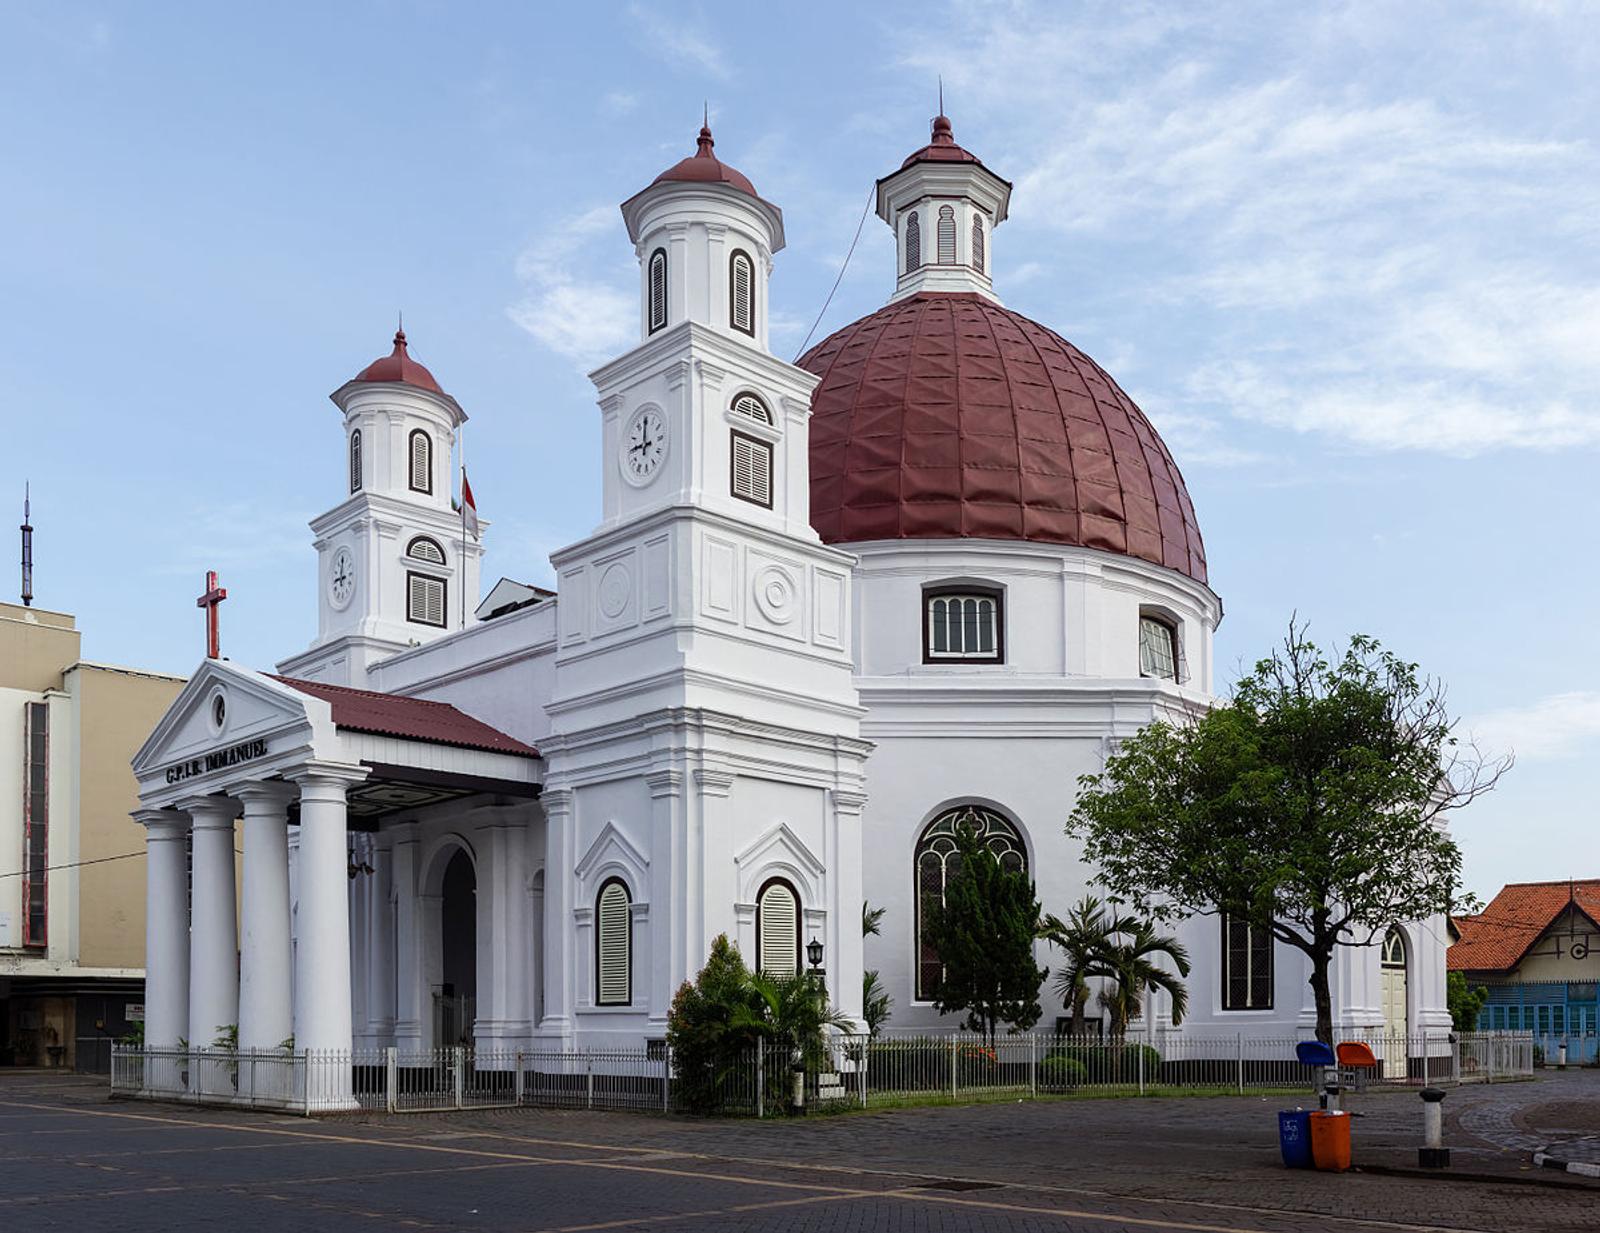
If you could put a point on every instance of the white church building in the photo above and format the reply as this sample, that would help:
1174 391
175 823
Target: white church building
830 610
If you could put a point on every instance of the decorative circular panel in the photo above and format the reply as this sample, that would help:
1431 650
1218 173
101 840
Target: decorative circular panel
615 588
775 594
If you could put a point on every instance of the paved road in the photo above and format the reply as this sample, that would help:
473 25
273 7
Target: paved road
73 1160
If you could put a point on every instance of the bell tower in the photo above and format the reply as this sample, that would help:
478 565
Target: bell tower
393 567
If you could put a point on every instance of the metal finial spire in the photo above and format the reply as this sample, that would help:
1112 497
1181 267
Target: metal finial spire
27 545
941 94
705 113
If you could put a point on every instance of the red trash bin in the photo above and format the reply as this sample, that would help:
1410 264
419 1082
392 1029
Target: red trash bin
1330 1141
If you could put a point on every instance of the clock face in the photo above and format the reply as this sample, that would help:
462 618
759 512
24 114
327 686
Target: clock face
644 447
341 578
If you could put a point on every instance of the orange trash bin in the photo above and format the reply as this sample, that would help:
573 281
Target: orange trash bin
1330 1141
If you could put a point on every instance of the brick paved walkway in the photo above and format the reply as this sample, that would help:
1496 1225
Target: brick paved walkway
75 1160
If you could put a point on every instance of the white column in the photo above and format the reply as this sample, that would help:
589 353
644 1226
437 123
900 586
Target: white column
558 957
666 866
213 922
265 1019
166 928
845 956
322 956
381 948
411 993
504 932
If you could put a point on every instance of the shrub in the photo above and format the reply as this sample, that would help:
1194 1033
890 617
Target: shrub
1058 1071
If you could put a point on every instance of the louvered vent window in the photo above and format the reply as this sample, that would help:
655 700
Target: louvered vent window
742 291
977 243
947 235
752 407
752 470
913 243
613 946
424 549
421 461
35 823
355 461
778 929
1246 965
425 600
1158 649
658 289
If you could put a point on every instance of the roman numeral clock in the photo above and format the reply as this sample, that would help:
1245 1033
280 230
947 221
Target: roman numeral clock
644 446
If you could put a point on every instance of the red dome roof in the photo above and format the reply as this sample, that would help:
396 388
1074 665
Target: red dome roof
942 148
399 366
946 416
704 167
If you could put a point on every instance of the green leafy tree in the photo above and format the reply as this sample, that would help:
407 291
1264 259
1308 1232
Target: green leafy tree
1084 938
984 934
711 1026
1465 1002
875 1000
1131 966
792 1012
1310 801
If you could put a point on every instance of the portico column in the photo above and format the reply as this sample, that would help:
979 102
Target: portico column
213 923
381 947
558 957
322 956
265 1021
166 928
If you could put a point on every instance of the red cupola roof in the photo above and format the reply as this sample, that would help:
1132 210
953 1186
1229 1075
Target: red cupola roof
946 416
942 148
704 167
398 366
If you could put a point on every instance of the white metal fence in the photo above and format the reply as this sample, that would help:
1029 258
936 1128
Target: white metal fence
853 1070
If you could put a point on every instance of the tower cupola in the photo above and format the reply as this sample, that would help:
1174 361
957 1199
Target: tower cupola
943 205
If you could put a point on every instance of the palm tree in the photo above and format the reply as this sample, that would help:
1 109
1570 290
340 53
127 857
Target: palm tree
1085 938
792 1012
1129 965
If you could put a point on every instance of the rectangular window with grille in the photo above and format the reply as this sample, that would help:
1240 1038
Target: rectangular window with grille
425 600
1246 965
963 626
35 823
752 470
1158 649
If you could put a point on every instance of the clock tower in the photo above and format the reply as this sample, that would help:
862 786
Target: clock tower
393 567
704 746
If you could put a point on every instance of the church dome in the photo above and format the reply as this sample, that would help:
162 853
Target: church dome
945 415
398 366
704 167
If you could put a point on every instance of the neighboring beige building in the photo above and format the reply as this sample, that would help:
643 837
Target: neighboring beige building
71 860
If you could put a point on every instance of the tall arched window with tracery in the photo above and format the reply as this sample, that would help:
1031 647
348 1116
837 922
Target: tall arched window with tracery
977 243
947 235
913 242
938 860
658 289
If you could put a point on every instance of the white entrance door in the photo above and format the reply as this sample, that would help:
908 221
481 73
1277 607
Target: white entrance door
1394 1005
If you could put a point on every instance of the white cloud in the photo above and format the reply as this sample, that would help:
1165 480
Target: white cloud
678 40
577 303
1563 725
618 102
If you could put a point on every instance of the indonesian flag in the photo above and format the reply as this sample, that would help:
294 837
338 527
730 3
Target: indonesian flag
469 507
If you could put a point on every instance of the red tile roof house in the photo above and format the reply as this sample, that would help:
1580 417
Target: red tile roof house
1536 948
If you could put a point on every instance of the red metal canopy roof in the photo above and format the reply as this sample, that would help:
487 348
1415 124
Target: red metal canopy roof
704 167
415 719
400 367
941 148
1497 939
945 416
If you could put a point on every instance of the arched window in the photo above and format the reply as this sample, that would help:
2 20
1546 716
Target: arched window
913 243
613 947
355 461
1394 949
742 293
424 549
658 289
947 235
977 243
751 406
963 623
750 458
777 929
1158 648
1246 964
937 861
421 457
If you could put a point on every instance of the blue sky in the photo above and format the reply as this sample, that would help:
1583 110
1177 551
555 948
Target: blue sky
1347 259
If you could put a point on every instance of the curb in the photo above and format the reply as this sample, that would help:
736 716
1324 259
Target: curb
1548 1158
1472 1177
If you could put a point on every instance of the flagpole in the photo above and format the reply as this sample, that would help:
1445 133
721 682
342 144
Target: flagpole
461 583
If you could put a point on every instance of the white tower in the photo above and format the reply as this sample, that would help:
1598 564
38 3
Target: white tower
705 747
393 568
943 206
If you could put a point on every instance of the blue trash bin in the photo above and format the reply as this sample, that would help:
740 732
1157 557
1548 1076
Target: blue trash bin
1294 1137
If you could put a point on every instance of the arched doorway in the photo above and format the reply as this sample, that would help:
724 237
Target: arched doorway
455 1005
1393 967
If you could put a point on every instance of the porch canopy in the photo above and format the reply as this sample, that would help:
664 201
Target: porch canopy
281 751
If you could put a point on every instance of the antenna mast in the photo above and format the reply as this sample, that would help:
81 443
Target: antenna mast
27 547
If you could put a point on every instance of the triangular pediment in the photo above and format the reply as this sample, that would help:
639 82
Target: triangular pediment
778 850
612 849
227 716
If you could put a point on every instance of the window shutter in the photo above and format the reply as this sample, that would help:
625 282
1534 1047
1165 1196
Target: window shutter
425 600
421 462
1157 649
977 243
947 235
778 931
615 960
424 549
752 470
658 290
355 461
913 243
743 294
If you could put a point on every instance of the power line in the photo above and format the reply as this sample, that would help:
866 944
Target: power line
862 222
99 860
